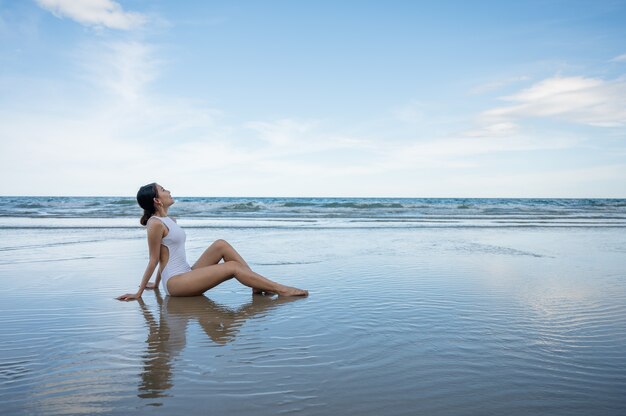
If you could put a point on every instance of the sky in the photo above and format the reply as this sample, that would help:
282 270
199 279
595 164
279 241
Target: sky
314 98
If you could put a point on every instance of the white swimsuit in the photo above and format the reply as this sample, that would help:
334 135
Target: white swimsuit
175 243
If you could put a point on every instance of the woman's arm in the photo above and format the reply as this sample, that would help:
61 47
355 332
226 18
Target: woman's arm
155 235
155 285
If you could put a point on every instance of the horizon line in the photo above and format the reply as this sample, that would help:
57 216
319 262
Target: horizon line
324 197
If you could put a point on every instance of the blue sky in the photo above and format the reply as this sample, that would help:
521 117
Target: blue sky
314 98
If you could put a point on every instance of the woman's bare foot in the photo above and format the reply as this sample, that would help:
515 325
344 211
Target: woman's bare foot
292 291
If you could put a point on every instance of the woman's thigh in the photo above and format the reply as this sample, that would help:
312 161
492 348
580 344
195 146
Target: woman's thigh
219 250
199 280
211 256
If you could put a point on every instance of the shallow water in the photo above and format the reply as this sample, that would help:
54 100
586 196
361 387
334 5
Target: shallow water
512 321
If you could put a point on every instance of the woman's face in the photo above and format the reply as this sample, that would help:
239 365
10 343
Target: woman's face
164 196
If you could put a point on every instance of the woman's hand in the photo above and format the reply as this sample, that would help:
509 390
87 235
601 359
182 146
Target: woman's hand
151 285
129 296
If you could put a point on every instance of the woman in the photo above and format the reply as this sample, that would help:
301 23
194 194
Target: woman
166 243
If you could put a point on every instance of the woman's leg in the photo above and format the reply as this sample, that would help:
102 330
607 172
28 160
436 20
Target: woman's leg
219 250
201 279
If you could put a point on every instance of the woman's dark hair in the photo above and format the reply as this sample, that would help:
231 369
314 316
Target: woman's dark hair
145 199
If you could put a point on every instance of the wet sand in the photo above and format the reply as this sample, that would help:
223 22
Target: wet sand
447 321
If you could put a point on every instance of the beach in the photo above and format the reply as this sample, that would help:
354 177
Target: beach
441 316
445 181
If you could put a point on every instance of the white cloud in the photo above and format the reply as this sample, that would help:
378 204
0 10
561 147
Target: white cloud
123 69
502 129
455 153
290 136
118 135
496 85
282 132
98 13
619 58
590 101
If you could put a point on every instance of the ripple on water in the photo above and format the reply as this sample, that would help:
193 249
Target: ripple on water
386 334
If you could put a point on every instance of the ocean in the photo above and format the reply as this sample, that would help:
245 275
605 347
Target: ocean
318 212
416 306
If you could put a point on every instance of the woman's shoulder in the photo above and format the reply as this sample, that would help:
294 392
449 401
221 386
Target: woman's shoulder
155 226
154 222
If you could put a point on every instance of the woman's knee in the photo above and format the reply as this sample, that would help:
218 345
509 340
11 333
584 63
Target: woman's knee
221 244
234 267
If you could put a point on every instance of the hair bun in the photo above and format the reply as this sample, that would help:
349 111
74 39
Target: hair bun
145 217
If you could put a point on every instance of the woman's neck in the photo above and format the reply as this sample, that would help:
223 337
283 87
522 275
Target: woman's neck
161 212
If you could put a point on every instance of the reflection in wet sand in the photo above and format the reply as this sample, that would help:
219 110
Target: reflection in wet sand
167 335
